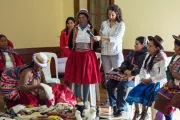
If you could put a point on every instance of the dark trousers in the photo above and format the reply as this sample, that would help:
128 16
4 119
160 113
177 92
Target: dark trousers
118 99
168 117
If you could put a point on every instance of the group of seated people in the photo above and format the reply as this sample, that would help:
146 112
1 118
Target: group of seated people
25 83
150 62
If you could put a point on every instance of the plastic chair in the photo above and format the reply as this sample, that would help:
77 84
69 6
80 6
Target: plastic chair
130 107
94 88
47 71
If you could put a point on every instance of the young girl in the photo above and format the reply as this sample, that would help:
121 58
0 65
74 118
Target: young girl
153 73
8 57
82 67
70 22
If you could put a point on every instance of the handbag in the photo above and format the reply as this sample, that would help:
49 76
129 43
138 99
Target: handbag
175 102
162 104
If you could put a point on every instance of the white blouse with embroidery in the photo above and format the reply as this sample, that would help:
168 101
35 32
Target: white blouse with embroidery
158 72
115 35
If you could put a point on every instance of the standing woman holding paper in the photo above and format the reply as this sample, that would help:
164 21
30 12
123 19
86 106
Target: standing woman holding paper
111 35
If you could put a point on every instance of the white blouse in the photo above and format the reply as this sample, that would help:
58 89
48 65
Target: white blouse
158 72
115 35
9 63
82 35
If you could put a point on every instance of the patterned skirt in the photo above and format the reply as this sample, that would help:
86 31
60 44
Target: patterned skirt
116 74
9 87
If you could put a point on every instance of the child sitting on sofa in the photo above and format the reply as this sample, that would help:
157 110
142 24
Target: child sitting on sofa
8 57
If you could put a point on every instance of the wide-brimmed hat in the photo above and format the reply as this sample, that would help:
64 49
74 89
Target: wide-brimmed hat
40 59
83 11
176 37
158 40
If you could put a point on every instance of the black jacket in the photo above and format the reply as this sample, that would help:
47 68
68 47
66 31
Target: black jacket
138 61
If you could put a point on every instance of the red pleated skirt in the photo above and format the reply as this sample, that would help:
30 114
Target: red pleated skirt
82 68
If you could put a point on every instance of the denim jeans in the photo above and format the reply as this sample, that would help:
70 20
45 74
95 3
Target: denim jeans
118 99
85 91
168 117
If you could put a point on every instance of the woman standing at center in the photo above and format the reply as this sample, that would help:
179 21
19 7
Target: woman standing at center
111 35
82 67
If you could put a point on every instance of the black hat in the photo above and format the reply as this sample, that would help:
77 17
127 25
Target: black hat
158 40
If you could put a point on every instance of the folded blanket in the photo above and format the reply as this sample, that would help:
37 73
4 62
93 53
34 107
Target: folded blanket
49 94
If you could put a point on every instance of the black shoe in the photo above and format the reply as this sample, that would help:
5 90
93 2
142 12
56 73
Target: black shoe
118 113
144 115
114 109
105 103
136 115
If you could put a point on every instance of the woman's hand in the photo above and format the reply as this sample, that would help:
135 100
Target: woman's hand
97 38
170 84
127 72
176 76
146 81
42 95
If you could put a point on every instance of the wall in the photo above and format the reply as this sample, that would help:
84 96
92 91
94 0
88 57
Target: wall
150 17
34 23
83 4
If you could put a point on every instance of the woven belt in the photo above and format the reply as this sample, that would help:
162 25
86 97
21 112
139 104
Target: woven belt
82 46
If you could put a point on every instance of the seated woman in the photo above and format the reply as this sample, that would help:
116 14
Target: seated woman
8 57
173 76
122 77
152 73
26 85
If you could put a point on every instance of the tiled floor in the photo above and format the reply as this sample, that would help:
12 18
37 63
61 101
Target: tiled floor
104 111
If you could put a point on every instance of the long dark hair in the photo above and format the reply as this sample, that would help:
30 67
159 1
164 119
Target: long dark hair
150 65
177 42
118 12
1 35
28 65
67 20
142 40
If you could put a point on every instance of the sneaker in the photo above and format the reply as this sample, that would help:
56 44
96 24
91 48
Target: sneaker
105 103
118 113
144 115
136 115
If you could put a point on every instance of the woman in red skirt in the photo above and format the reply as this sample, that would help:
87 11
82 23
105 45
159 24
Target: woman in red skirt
82 67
